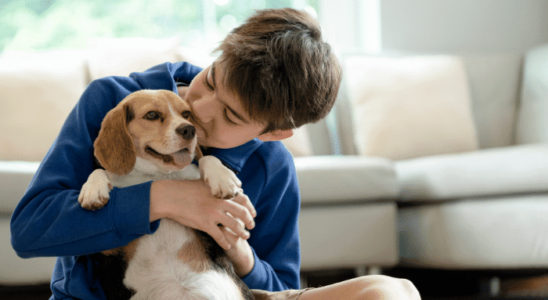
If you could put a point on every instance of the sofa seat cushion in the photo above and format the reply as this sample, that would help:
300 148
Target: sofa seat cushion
324 179
15 177
497 233
496 171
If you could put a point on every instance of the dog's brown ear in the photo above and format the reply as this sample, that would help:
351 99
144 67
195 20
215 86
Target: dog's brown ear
113 147
198 153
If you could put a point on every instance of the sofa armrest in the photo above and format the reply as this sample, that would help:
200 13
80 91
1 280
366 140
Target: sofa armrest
327 179
15 177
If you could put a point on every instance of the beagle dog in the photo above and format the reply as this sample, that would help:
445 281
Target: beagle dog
147 136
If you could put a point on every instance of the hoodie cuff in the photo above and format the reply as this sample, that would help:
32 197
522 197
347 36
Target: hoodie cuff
130 212
257 278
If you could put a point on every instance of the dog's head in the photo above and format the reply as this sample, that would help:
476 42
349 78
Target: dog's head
148 124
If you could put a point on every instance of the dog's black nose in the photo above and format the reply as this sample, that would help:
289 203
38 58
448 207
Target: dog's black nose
186 131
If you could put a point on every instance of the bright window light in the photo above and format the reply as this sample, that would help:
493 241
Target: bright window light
68 24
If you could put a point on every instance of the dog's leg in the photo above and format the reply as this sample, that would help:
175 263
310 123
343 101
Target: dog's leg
95 192
223 182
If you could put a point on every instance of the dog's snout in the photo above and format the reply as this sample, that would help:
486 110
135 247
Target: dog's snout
186 131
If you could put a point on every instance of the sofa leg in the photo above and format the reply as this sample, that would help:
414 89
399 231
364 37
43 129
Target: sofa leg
304 281
374 270
490 287
364 270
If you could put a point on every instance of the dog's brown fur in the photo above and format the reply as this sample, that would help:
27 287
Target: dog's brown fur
127 127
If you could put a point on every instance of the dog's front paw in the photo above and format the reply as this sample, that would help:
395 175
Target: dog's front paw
96 191
223 182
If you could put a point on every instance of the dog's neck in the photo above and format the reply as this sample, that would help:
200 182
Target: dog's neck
145 170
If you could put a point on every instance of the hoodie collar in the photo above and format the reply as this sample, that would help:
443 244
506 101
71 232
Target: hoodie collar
235 158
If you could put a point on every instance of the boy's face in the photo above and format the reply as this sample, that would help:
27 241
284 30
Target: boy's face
218 115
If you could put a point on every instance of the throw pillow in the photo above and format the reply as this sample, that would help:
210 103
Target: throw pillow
122 56
299 143
405 107
38 92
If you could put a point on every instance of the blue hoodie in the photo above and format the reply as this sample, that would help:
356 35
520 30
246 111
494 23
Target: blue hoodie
50 222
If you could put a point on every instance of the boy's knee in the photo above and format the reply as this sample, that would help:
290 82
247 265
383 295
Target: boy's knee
385 287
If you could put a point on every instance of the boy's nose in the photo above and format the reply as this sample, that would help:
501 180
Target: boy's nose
203 109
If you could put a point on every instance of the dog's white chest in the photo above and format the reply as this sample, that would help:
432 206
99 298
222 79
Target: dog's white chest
156 270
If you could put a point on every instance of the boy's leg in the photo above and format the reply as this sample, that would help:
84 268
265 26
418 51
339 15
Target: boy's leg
284 295
373 287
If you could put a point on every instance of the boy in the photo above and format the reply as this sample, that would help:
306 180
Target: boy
274 74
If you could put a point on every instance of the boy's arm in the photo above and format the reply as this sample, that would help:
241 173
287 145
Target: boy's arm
275 239
49 220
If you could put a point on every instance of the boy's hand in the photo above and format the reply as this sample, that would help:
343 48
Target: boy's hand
191 204
240 253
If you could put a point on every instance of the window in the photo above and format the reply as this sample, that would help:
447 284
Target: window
54 24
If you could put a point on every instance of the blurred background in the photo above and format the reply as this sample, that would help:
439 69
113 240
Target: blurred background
464 221
68 24
350 25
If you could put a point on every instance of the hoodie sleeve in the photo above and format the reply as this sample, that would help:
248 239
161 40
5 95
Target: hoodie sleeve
275 239
49 221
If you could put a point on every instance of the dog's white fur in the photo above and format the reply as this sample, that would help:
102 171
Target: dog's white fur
154 271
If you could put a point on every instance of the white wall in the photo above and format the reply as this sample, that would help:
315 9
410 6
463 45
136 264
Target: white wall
351 25
463 25
434 25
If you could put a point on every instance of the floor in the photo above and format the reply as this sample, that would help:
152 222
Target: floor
432 284
40 292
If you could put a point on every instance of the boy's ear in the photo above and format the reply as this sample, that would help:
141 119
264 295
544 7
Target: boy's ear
276 135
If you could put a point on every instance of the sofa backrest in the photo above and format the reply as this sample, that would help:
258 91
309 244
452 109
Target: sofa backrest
494 91
494 84
494 81
532 121
37 92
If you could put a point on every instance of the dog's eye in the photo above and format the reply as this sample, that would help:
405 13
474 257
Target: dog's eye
152 115
186 114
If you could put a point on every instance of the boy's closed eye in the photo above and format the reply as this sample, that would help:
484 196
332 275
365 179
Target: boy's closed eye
212 88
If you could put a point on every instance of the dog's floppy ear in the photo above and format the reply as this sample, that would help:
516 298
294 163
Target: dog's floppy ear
198 153
113 147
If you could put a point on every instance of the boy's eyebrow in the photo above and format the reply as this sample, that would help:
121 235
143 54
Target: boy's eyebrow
240 117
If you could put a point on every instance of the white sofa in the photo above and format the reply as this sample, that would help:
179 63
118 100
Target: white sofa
467 138
464 177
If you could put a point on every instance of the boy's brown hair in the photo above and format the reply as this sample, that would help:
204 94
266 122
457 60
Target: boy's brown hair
279 66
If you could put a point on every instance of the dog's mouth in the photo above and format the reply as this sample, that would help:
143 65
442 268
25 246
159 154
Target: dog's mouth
179 158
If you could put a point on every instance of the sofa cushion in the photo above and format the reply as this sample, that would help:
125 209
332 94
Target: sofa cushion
533 116
38 92
411 106
328 179
299 143
478 233
19 271
495 171
122 56
15 177
494 87
196 56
